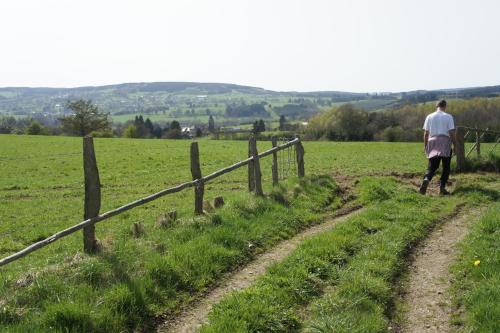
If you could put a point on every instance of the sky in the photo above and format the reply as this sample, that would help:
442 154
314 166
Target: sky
283 45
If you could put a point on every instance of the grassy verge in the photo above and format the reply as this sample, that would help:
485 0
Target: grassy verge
134 279
476 276
352 268
488 163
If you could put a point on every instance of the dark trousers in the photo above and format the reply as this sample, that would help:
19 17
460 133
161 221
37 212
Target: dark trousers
434 165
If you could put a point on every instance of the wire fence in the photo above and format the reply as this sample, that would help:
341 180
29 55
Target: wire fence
92 202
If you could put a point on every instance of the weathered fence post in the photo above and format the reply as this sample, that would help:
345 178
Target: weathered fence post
275 162
92 203
300 158
256 167
196 173
251 172
460 149
478 143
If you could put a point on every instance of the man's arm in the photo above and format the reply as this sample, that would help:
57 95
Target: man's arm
426 138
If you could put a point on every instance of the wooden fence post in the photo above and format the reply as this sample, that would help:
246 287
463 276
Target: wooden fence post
460 150
196 173
256 167
92 203
478 143
299 148
251 172
275 162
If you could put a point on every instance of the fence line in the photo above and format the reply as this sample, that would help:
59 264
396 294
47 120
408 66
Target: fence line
462 133
93 199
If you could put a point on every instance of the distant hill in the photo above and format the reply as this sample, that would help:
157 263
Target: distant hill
194 100
192 88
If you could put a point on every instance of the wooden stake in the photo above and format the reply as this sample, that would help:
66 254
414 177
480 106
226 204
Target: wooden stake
460 150
478 144
139 202
92 203
251 172
256 167
300 159
275 162
196 173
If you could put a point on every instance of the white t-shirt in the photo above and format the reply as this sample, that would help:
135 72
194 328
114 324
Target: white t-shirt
439 123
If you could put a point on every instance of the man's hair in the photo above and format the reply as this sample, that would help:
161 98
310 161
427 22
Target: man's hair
441 104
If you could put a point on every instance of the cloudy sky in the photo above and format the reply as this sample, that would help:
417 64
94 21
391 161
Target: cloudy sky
350 45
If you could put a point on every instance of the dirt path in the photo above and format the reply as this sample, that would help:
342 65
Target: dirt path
195 316
428 302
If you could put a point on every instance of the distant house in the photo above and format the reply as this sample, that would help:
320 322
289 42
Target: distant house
187 132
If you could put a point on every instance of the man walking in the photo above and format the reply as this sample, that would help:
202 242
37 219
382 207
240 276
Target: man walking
438 136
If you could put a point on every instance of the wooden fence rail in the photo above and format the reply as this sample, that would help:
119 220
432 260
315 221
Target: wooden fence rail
93 196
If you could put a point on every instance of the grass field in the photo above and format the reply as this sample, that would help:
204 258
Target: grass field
42 177
477 277
344 280
41 192
354 263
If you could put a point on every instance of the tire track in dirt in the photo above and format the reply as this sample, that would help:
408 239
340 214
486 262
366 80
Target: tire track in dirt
192 318
426 298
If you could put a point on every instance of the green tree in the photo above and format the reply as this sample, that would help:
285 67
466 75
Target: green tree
148 125
259 126
343 123
7 124
211 124
174 131
282 123
34 128
262 126
157 131
393 134
175 125
131 132
351 122
140 126
86 118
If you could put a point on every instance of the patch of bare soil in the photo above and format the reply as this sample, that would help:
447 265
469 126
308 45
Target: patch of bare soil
426 298
416 180
192 318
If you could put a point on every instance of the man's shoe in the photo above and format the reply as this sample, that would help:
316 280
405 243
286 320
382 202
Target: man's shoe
442 191
423 187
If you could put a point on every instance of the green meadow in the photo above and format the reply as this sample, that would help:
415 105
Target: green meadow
137 278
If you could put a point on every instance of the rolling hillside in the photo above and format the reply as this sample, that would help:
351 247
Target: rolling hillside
194 102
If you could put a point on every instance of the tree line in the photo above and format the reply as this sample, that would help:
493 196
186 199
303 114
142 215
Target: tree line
348 123
344 123
86 118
